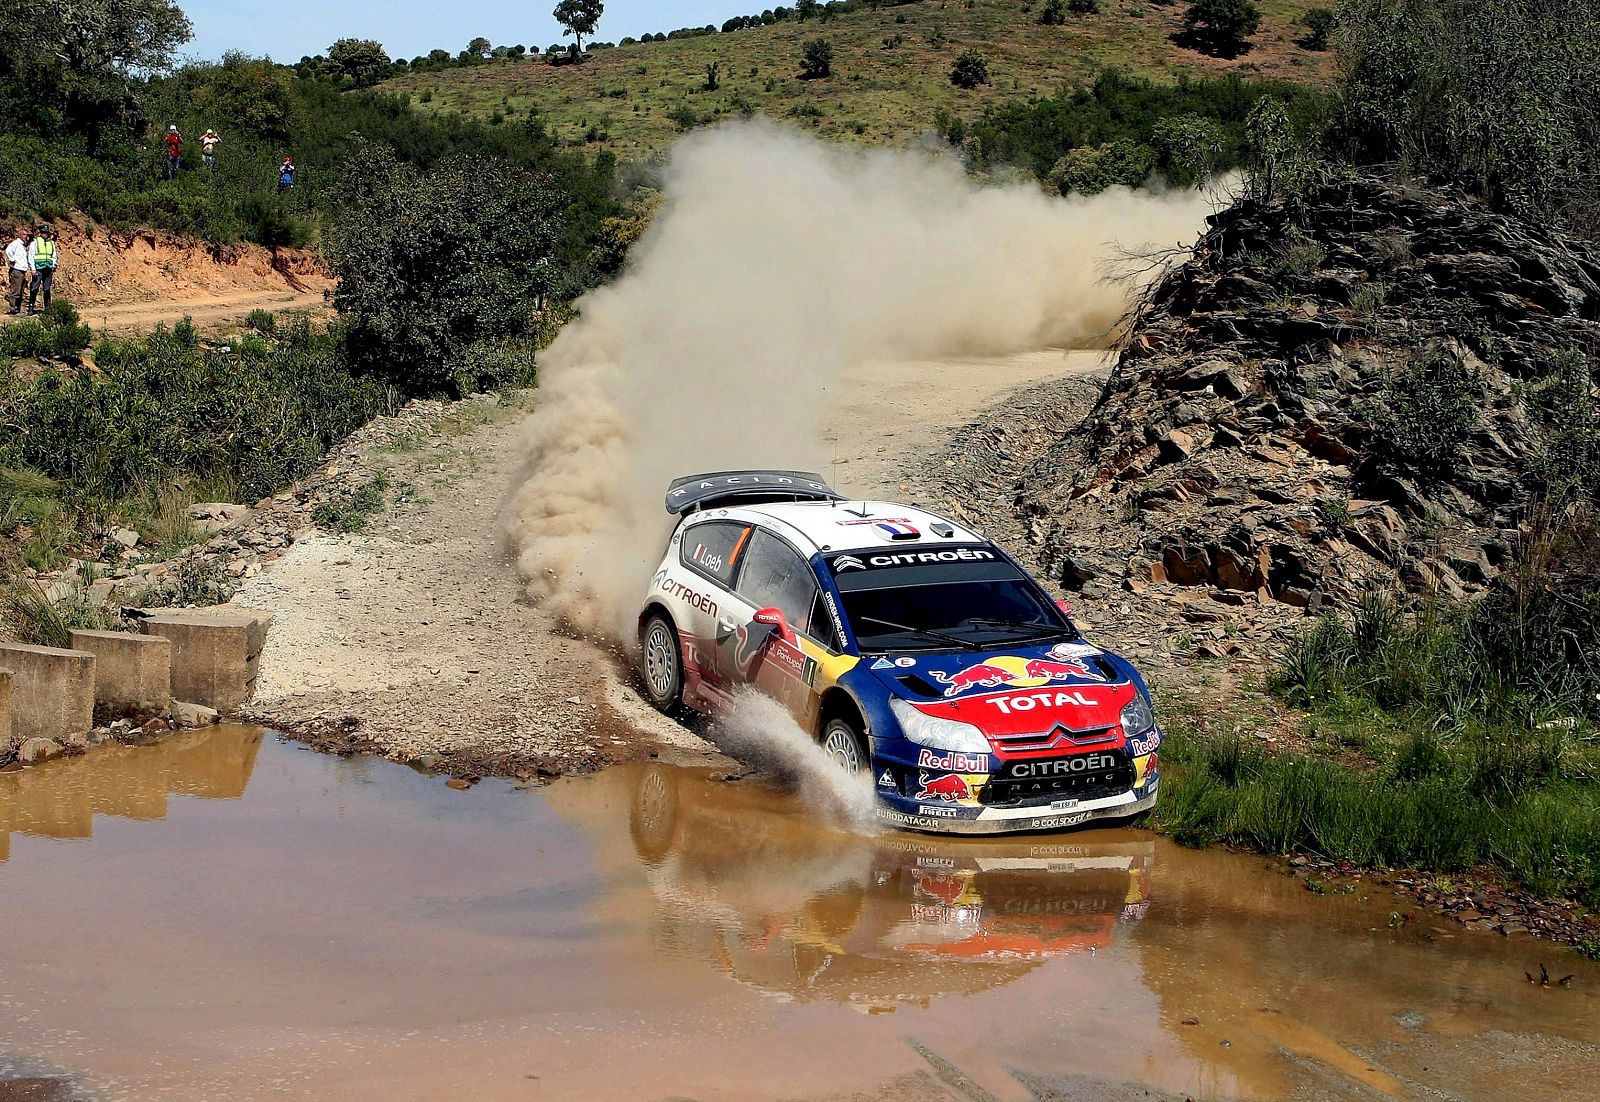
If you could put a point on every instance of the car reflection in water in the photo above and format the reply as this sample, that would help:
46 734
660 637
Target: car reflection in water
797 909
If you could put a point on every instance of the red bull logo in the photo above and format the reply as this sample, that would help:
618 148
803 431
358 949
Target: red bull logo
952 787
1013 672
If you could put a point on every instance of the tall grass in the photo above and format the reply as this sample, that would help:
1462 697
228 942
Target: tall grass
1476 724
1220 790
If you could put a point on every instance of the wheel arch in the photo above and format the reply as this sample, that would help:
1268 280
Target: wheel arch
839 703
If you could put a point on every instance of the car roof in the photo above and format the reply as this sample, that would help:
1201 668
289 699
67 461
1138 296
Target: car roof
855 525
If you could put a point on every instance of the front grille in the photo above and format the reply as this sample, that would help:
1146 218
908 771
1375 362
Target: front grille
1057 738
1008 790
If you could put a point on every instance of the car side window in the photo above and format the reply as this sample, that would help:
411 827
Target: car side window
713 549
775 576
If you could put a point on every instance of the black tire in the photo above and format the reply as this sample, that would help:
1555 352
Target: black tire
661 664
846 745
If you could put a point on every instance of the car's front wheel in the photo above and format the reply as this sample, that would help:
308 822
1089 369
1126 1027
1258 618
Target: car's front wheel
663 664
844 744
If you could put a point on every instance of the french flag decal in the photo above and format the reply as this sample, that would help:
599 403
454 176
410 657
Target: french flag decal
897 530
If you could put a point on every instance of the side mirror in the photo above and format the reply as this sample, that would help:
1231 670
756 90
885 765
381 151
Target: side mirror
1065 608
775 619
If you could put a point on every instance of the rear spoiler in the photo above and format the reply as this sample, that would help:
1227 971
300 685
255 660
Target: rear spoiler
702 491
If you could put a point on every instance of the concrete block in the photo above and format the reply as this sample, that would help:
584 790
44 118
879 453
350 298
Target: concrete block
52 693
132 673
8 745
215 652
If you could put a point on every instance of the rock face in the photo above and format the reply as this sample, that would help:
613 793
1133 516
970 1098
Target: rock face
1324 400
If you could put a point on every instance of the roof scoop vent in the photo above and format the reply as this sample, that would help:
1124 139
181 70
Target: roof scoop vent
941 529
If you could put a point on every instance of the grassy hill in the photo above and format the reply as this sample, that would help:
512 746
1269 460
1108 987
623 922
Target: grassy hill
890 71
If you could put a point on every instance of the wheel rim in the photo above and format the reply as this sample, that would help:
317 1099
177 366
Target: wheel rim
843 748
660 661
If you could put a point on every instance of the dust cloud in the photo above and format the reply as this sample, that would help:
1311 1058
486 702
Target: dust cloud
762 734
776 262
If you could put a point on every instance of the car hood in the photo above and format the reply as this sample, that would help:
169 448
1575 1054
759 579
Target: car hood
1014 689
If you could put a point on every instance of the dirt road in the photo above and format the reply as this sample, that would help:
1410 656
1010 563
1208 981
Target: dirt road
204 311
412 639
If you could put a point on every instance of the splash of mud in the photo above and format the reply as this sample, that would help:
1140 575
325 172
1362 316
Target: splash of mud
761 733
775 262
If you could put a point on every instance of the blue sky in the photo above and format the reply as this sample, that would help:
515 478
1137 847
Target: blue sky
290 29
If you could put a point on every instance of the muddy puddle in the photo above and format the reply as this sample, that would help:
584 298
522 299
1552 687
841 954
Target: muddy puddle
223 915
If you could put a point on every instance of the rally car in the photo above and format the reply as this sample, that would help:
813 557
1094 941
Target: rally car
908 644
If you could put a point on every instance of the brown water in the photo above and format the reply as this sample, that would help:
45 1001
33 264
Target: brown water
223 916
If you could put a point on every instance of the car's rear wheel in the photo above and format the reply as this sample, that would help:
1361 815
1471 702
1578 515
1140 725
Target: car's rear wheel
844 744
663 664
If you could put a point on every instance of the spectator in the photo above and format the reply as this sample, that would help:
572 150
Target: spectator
174 143
43 256
285 176
208 149
17 269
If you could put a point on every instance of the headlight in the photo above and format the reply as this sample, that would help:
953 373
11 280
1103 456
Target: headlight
936 733
1137 716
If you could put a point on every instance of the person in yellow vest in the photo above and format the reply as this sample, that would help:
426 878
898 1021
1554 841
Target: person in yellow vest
43 256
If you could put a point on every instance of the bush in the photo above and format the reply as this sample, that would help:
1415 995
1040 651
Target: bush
1318 23
1054 13
816 62
164 409
262 321
1090 171
970 70
1494 95
431 263
1426 411
56 333
1220 28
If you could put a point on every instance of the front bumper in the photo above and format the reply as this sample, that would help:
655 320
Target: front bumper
1005 820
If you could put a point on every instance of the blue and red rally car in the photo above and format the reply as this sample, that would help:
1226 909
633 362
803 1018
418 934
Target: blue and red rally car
907 644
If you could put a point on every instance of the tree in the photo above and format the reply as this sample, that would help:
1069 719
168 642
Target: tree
970 70
479 47
805 9
493 226
817 61
359 60
579 17
1084 7
1318 23
712 83
77 66
1220 28
1054 13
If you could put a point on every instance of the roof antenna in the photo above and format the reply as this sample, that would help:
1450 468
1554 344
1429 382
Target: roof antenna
833 476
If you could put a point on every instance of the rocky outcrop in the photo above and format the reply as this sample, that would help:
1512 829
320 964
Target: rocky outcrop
1325 399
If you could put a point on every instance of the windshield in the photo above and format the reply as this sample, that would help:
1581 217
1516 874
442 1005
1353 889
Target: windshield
947 607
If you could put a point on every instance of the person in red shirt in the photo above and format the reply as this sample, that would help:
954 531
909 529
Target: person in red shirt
174 149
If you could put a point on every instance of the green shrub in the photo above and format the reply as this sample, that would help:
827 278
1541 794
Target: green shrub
430 264
970 70
1221 28
1425 412
262 321
163 408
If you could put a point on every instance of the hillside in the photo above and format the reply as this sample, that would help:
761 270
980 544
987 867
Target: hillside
890 71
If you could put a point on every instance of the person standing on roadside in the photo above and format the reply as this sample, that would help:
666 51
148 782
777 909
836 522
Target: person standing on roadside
174 144
43 256
17 269
208 149
285 176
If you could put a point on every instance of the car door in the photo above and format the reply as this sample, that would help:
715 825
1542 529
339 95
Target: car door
769 653
708 558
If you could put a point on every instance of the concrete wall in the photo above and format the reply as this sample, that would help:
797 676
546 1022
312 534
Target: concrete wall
8 744
215 653
132 673
52 693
